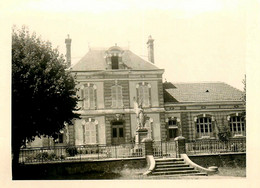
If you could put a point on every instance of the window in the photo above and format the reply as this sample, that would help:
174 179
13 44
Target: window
90 132
59 139
172 122
237 125
172 128
204 127
114 61
144 94
88 94
117 98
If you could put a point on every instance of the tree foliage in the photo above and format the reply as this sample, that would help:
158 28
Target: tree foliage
43 93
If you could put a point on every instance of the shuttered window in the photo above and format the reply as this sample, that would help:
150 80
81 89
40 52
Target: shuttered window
90 132
117 98
144 94
88 96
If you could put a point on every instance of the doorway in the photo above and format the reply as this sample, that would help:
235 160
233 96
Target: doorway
118 133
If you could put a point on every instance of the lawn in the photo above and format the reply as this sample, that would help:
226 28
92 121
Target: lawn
224 172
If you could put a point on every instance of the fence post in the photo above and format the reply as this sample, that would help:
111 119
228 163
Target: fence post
115 151
161 149
98 150
42 155
181 145
148 146
166 154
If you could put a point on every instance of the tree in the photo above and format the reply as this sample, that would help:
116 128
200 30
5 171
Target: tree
43 92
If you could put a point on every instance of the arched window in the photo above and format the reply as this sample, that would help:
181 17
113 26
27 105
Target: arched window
204 127
117 98
88 95
89 131
237 125
144 94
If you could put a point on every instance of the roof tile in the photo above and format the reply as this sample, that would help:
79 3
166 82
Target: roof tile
204 92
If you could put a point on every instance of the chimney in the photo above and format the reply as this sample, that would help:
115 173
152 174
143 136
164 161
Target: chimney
68 53
150 49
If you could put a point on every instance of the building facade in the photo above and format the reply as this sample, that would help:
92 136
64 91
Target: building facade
109 80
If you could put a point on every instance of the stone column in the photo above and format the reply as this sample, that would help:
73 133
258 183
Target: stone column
181 145
148 144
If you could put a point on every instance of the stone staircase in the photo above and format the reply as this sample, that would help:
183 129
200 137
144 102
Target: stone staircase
174 167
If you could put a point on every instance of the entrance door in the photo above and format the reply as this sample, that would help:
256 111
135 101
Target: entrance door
172 134
118 135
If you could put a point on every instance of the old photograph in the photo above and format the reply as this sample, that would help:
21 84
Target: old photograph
128 90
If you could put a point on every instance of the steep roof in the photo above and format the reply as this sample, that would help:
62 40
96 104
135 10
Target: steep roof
201 92
95 60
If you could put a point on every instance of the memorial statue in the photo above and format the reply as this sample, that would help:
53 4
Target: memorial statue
140 116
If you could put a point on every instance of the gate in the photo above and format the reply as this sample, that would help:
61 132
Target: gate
165 149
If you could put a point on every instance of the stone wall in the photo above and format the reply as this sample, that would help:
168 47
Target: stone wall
221 160
59 170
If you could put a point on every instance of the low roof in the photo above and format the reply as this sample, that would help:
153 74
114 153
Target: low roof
95 60
200 92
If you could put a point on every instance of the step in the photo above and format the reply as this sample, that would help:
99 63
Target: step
173 169
171 165
178 175
176 172
169 162
168 159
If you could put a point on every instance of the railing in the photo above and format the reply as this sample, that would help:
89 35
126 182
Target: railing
164 149
216 146
80 153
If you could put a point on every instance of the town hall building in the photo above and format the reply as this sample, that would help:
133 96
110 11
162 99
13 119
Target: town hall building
110 80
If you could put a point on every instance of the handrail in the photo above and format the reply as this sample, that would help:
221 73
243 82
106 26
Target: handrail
151 163
210 170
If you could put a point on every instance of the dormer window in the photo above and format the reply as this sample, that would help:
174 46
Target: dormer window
114 62
113 58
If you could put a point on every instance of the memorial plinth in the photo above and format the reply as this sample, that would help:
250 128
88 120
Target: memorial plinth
141 133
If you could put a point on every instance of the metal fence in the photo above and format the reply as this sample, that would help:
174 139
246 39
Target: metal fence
80 153
164 149
216 146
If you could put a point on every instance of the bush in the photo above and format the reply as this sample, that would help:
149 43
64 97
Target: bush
52 156
30 158
224 136
42 156
72 151
80 152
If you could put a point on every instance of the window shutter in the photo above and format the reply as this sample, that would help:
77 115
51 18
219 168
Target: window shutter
82 98
146 95
90 134
86 98
91 98
119 96
113 93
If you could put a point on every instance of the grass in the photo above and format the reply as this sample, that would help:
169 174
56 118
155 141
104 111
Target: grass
137 174
224 172
231 171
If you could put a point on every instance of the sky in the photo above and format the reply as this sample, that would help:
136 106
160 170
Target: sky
194 40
